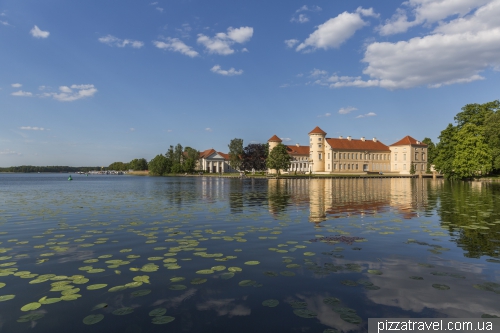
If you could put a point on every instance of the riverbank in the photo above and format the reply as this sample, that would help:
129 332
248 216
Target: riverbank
292 176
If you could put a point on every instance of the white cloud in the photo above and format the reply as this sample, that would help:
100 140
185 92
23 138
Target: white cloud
73 93
285 85
37 33
132 129
333 32
35 128
428 12
22 93
159 9
154 3
367 12
286 139
347 110
325 115
317 72
222 42
244 50
305 8
4 23
454 52
208 129
370 114
176 45
291 42
302 18
217 69
16 85
9 152
114 41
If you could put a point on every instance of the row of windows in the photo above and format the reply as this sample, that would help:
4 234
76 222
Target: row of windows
345 166
404 157
357 156
404 167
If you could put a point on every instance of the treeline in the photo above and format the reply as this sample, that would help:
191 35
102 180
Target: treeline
32 168
176 160
471 147
137 164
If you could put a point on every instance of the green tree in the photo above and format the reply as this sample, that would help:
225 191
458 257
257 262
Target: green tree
138 164
118 166
191 157
158 165
175 154
476 114
472 155
431 153
236 153
492 136
412 169
254 156
278 158
445 151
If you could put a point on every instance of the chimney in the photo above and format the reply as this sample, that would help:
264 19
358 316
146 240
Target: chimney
349 138
340 137
374 139
418 142
363 138
297 145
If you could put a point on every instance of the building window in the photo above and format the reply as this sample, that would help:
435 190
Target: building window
404 166
319 156
328 166
395 166
334 155
423 167
328 155
416 156
319 145
423 156
319 139
340 166
395 157
356 166
344 156
404 157
349 166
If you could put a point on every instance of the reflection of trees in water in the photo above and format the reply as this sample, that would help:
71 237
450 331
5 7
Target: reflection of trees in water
278 195
472 210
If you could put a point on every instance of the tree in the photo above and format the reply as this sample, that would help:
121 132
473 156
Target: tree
158 165
278 158
476 113
191 157
443 161
254 156
118 166
177 158
235 153
431 153
412 169
138 164
492 136
472 156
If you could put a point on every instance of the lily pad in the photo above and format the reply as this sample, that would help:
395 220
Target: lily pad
205 271
100 306
218 268
30 317
177 287
93 319
117 288
271 303
198 281
349 283
157 312
350 317
177 279
227 275
270 273
440 286
309 253
142 292
234 269
251 263
4 298
159 320
31 306
304 313
287 273
96 286
375 272
246 283
331 300
49 300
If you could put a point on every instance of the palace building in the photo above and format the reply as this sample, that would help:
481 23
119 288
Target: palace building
348 155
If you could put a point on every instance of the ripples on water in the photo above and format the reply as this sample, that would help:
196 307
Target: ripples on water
144 254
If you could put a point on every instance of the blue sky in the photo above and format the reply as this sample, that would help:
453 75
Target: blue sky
94 82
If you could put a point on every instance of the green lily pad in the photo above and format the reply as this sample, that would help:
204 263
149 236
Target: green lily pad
52 300
205 271
287 273
331 300
117 288
177 279
352 318
246 283
123 311
96 286
218 268
177 287
293 266
159 320
304 313
309 253
30 317
227 275
80 281
270 273
71 297
4 298
93 319
198 281
271 303
234 269
298 304
100 306
142 292
157 312
70 291
31 306
440 286
349 283
375 272
251 263
2 284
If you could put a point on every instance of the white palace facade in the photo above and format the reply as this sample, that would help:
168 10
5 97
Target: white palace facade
356 156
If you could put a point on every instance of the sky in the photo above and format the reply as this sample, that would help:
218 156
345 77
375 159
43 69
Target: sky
88 83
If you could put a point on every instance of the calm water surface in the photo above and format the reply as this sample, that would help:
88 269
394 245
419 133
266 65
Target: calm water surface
144 254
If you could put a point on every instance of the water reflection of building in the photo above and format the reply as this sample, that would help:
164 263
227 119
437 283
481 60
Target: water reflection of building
342 197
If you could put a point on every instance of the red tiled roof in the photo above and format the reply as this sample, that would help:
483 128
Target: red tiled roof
226 156
317 130
274 139
207 153
408 140
300 150
356 144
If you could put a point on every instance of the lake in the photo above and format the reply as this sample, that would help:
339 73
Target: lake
202 254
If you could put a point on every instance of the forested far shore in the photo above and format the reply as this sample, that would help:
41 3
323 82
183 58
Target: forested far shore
56 168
